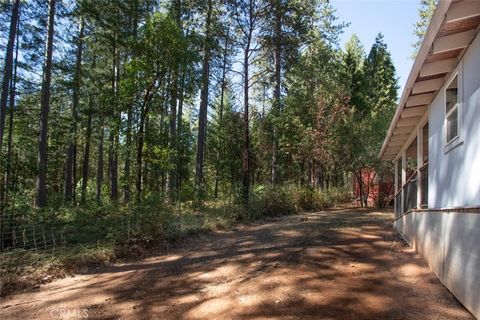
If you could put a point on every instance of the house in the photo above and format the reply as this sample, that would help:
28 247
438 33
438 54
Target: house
434 140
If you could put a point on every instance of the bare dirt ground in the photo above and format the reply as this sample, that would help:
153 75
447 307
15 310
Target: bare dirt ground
336 264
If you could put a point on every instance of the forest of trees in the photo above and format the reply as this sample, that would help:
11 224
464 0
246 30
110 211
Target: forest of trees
120 103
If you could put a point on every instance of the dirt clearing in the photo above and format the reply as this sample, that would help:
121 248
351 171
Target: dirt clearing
336 264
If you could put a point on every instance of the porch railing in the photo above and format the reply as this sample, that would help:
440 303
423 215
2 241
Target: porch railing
398 204
407 200
410 193
424 182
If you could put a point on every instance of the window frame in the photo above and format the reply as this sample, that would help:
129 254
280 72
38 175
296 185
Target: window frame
451 111
457 140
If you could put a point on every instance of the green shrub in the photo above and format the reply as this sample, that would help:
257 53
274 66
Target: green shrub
80 258
273 202
307 199
311 199
339 195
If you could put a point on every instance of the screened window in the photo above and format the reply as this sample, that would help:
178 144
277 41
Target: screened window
451 110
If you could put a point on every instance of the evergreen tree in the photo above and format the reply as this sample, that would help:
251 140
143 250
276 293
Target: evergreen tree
8 68
225 149
202 117
41 200
425 12
286 28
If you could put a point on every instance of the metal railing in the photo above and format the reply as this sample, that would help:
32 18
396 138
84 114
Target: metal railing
410 193
406 197
398 204
424 182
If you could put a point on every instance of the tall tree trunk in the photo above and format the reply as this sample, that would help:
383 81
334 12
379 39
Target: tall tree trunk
172 128
179 162
246 122
7 71
141 138
277 90
361 188
148 152
71 166
41 185
112 168
202 117
100 173
114 129
181 98
173 133
163 130
220 112
128 144
138 183
86 155
128 138
5 186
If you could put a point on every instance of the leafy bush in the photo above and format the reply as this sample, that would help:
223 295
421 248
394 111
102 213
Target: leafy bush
291 199
10 263
308 199
80 258
339 195
273 202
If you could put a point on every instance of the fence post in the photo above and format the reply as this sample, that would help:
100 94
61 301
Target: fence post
44 240
53 239
128 228
62 238
34 238
24 239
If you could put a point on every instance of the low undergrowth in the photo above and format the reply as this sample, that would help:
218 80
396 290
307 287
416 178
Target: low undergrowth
96 236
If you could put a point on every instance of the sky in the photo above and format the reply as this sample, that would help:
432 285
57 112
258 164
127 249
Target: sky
394 18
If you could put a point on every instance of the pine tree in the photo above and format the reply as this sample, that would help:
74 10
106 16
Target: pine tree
8 68
71 165
287 27
247 15
225 149
41 200
380 74
202 118
425 12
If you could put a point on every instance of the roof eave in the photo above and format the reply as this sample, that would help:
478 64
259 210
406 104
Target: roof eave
432 30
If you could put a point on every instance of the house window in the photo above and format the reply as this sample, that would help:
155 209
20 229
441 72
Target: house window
451 110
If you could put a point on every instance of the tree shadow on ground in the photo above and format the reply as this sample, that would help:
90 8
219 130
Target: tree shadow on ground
335 264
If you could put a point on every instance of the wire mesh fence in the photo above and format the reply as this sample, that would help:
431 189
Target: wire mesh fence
77 237
34 237
51 235
47 234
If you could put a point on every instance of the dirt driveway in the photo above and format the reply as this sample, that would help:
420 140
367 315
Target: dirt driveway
336 264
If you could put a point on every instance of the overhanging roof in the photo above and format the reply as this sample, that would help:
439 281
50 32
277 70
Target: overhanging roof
454 25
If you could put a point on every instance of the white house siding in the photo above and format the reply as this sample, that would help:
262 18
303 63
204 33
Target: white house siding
462 258
450 241
454 176
423 232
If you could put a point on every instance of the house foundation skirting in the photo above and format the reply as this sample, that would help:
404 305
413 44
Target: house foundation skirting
449 241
